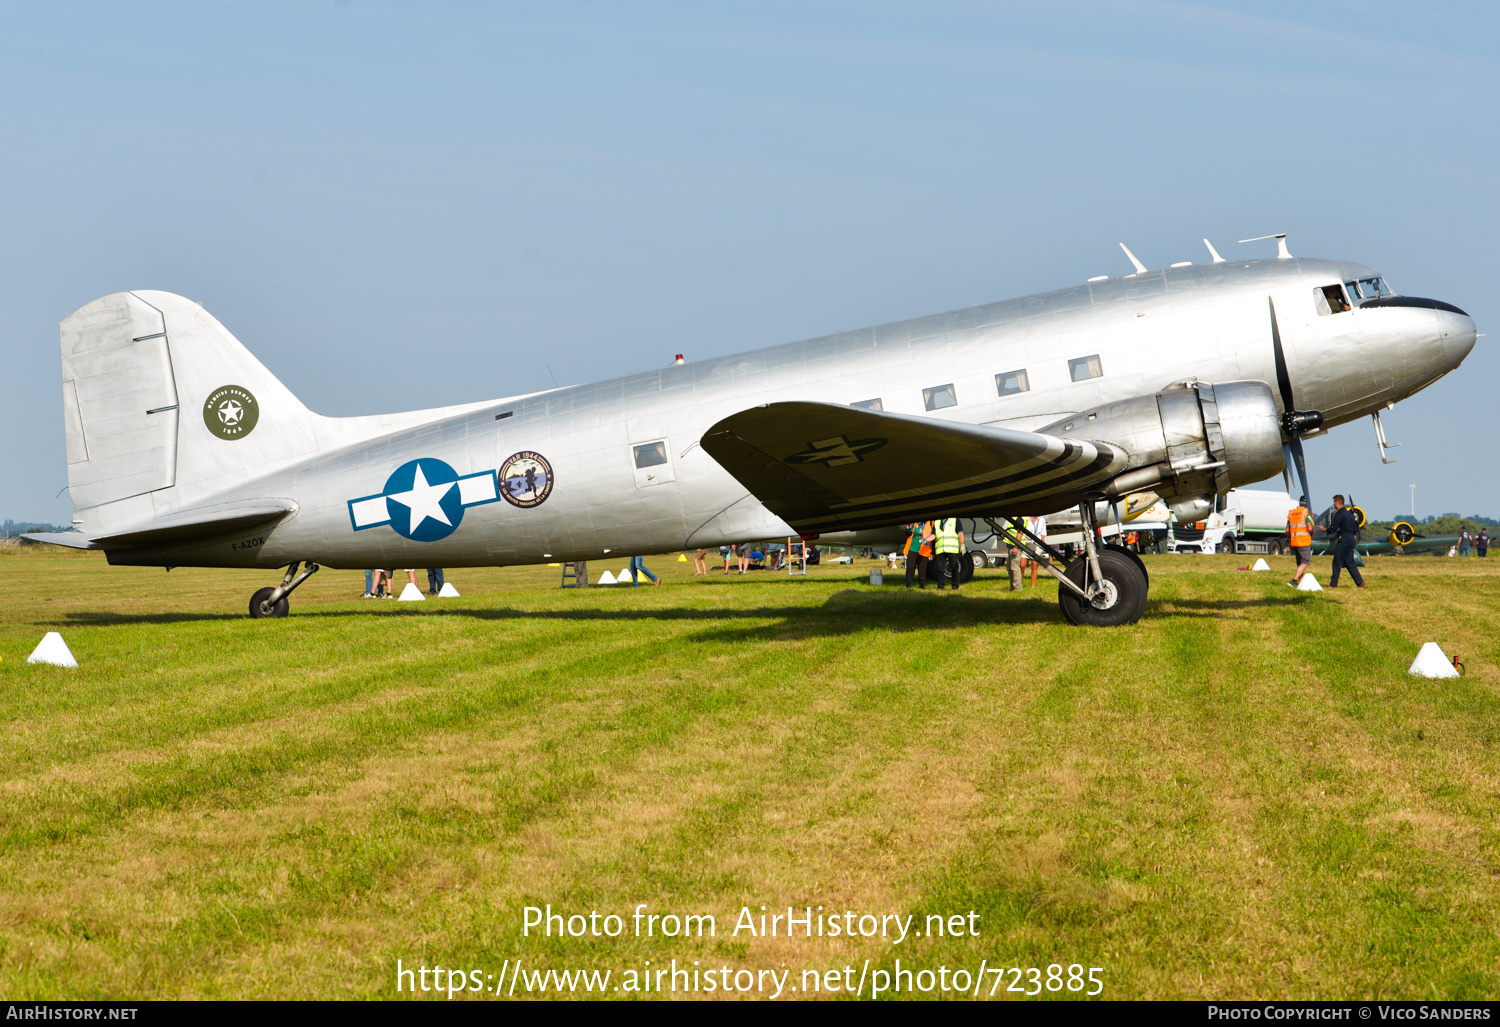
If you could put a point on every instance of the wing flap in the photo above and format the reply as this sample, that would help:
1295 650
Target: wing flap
822 467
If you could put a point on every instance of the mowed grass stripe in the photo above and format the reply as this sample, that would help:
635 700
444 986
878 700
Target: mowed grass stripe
1146 798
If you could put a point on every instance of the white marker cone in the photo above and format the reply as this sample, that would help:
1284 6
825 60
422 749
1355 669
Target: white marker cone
606 578
448 591
52 649
1432 662
624 575
1309 584
1260 565
411 594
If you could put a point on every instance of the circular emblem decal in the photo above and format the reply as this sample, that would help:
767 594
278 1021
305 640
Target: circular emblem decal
231 412
526 479
423 501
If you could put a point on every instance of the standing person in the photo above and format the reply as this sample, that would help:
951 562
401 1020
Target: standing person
411 576
1038 526
1013 557
435 580
700 563
1482 542
369 585
1463 543
1346 533
1299 528
637 568
727 552
950 547
743 552
918 552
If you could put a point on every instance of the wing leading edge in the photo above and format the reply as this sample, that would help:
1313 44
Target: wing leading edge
822 467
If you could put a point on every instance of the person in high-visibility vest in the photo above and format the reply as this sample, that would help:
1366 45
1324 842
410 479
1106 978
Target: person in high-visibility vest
918 552
950 547
1299 527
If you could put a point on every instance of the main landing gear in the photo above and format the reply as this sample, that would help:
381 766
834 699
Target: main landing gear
1106 587
272 602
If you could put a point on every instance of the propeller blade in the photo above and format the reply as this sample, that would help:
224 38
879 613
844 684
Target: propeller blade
1293 450
1283 377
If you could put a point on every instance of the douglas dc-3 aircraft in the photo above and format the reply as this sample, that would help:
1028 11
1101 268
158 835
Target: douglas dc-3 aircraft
183 450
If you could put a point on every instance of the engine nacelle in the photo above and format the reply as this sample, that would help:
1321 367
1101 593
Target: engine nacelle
1189 442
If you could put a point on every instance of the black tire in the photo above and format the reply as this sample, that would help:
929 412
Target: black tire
1127 583
257 610
1273 547
979 559
936 576
1134 558
1226 544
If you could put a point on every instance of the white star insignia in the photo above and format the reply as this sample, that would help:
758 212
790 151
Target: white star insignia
230 412
424 500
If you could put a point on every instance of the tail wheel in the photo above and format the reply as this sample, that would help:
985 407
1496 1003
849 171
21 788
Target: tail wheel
935 570
260 608
1121 600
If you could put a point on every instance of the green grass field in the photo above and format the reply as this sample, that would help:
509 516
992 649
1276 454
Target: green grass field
1244 795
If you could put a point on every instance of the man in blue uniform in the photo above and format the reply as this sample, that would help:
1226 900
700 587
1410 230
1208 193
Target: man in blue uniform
1345 532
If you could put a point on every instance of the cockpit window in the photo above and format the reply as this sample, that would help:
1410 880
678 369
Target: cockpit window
1368 288
1329 299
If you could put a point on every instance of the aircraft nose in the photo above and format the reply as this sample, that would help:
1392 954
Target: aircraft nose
1459 335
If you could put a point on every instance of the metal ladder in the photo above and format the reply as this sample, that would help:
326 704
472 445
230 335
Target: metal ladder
578 570
796 558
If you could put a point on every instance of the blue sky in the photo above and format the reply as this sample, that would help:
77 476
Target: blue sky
400 206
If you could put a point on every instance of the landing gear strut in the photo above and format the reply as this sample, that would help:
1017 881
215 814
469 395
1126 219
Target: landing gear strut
271 602
1107 587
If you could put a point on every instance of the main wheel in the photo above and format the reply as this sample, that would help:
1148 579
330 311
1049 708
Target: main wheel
1121 601
936 576
258 607
1133 557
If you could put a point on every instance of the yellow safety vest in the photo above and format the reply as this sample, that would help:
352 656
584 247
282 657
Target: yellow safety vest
1300 522
947 535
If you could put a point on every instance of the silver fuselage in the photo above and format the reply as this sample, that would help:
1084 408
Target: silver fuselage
1208 322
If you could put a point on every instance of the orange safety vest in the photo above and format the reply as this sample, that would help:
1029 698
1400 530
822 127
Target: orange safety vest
1300 522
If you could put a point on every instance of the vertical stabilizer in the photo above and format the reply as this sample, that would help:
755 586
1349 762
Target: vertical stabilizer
160 398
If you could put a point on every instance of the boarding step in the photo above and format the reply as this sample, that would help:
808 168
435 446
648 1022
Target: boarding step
575 574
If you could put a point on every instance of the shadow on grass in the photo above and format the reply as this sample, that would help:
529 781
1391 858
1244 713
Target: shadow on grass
845 612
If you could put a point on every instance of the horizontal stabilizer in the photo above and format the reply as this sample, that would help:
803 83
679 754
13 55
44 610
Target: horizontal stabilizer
822 467
189 526
71 539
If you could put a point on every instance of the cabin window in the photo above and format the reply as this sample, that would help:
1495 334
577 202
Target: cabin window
1368 288
1081 369
652 454
1329 299
1008 383
939 397
868 404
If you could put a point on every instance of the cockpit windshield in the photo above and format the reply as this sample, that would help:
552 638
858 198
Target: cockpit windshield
1368 288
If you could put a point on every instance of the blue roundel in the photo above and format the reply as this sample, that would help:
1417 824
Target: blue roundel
423 500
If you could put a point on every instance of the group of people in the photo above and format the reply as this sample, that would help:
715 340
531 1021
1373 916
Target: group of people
379 584
1480 543
942 541
1342 527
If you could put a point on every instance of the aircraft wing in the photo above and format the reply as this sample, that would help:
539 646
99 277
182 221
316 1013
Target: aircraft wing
823 467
